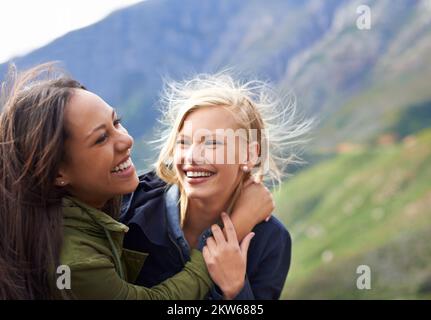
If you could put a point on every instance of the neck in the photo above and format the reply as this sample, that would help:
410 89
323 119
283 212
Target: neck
201 214
90 201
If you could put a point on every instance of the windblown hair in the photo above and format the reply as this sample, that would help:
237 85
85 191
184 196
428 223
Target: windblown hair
32 147
254 105
32 137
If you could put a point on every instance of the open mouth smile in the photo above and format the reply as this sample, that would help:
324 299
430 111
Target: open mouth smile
124 169
198 175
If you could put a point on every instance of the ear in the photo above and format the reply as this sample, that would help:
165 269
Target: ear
62 179
253 154
252 157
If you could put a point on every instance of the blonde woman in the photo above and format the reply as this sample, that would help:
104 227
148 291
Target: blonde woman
218 133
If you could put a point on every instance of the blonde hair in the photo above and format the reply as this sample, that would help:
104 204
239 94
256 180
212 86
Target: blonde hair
253 104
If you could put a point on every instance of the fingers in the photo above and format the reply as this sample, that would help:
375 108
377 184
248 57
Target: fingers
211 245
229 229
206 254
253 179
248 182
245 244
218 234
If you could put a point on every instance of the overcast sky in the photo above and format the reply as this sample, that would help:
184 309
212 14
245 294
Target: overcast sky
29 24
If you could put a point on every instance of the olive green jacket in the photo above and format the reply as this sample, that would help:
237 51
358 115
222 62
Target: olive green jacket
102 269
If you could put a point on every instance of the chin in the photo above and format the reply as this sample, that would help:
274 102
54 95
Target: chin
129 188
198 193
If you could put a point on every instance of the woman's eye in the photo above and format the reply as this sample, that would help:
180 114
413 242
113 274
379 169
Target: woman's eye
102 138
117 122
213 143
182 142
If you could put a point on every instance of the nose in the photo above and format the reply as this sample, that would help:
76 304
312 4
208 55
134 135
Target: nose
194 155
124 141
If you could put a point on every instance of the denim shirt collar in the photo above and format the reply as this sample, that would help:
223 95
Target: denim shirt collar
172 197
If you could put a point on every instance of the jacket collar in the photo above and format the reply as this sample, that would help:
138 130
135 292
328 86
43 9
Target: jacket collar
145 208
78 214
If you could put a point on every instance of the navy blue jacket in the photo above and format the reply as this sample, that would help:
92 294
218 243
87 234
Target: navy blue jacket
151 213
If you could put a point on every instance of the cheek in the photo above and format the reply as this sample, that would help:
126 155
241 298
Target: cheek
93 165
227 176
218 156
235 153
86 175
178 155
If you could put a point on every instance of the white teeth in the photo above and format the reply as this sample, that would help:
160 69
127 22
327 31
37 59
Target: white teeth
126 164
193 174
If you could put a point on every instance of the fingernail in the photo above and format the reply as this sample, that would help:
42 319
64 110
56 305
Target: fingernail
223 214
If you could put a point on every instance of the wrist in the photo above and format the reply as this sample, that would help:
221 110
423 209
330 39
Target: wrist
229 295
232 292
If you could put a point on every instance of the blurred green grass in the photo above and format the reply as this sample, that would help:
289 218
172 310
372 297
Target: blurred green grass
371 206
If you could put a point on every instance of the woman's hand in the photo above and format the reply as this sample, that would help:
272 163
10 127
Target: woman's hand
254 205
257 198
226 260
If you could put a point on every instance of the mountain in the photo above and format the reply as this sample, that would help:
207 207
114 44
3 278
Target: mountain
364 198
366 207
357 82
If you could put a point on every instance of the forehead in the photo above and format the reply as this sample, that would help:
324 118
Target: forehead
210 118
86 111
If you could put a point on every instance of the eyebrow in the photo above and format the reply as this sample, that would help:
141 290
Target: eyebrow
102 126
212 136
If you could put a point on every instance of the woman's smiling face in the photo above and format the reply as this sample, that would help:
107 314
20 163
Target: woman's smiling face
97 165
202 154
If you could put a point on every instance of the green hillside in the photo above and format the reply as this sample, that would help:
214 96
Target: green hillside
369 207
